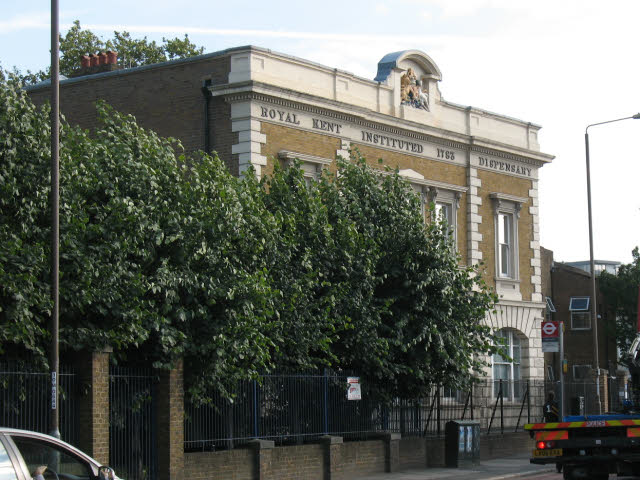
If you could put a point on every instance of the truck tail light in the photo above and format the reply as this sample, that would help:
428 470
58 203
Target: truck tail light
548 444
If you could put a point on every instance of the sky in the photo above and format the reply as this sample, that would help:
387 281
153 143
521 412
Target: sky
560 64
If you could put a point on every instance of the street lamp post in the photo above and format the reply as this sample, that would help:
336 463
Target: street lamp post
594 313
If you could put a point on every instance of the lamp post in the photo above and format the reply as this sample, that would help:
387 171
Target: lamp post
594 313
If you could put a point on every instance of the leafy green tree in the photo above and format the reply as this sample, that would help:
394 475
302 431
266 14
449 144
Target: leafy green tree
621 297
164 256
156 258
416 316
132 52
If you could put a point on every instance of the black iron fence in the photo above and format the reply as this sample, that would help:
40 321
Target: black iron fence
297 408
132 436
25 399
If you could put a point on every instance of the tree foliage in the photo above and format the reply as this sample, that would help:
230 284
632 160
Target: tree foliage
132 52
621 296
164 256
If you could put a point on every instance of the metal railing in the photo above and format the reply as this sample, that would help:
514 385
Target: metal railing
25 396
297 408
132 411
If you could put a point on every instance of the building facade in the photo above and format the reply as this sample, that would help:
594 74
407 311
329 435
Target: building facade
567 291
256 108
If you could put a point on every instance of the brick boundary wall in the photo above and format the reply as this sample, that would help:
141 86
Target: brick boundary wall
328 459
333 459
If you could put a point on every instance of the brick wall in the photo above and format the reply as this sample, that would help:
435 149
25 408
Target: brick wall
503 446
166 98
227 465
413 453
361 458
299 141
295 462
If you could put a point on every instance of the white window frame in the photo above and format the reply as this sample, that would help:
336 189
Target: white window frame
507 286
586 315
311 165
509 393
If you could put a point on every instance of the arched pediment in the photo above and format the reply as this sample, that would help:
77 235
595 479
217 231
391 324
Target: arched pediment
405 59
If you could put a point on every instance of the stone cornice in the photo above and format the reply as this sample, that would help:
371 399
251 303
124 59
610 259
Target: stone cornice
251 90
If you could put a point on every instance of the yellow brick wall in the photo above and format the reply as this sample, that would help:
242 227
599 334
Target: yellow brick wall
495 182
299 141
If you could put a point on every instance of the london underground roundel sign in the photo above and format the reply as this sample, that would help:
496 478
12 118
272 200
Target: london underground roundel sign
550 329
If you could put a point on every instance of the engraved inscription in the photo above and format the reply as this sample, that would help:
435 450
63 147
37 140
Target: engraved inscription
326 126
446 154
383 140
503 166
280 115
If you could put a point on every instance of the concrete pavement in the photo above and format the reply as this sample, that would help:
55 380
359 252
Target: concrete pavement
495 469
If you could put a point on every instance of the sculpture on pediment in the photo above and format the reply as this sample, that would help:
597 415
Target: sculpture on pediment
411 91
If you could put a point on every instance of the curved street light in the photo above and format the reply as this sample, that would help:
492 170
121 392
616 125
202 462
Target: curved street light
594 314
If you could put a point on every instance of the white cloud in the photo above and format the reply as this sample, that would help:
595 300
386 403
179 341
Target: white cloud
28 21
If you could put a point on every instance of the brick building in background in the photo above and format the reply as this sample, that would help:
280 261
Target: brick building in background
256 107
567 290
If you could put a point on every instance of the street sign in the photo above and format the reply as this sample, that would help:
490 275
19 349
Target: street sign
550 337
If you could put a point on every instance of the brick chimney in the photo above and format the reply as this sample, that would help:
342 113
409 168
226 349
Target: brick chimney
92 64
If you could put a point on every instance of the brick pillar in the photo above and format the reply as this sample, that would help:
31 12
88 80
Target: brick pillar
93 405
262 457
170 423
332 457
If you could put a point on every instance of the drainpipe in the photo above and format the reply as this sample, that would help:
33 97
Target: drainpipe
207 96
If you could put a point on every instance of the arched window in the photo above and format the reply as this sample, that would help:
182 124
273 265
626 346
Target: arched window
507 367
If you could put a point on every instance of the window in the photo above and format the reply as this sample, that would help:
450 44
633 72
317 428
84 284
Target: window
578 304
446 202
505 245
581 372
65 464
580 315
7 472
507 367
506 211
311 165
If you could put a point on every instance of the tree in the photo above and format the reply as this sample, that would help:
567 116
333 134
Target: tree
621 296
164 256
416 316
157 258
131 52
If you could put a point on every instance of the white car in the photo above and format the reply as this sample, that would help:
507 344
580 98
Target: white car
25 454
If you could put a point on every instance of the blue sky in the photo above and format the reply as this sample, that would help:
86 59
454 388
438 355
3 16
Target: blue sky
562 64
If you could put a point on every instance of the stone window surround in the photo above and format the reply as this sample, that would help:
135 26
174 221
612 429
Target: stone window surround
312 165
440 192
508 287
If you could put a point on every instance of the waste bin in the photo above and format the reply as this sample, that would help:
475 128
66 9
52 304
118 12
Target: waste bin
577 406
462 442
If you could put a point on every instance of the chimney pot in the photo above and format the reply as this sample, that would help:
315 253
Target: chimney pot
102 58
84 61
112 57
93 60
